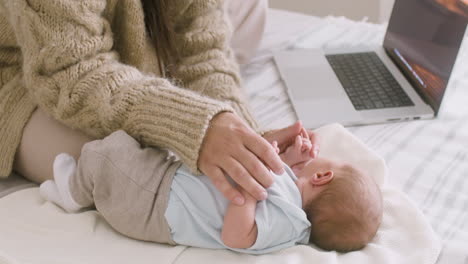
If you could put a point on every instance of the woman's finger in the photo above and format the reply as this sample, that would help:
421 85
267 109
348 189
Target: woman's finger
241 176
315 144
275 146
298 144
284 136
265 152
304 133
255 167
220 181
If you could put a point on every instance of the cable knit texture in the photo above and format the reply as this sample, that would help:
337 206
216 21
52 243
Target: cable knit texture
92 66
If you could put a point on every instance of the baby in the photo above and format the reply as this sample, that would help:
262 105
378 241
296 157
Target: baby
343 204
146 194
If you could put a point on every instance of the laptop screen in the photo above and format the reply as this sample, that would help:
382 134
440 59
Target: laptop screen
423 38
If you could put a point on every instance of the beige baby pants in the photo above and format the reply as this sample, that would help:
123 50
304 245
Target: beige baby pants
129 185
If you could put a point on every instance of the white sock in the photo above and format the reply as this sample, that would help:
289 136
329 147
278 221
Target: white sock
58 191
49 191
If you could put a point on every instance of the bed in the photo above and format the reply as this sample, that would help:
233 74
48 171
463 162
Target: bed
427 160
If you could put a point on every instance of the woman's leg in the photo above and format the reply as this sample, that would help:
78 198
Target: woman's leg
248 19
43 139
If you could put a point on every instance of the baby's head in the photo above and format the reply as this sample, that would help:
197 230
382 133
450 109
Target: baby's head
343 204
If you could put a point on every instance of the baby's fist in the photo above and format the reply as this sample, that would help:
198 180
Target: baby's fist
298 152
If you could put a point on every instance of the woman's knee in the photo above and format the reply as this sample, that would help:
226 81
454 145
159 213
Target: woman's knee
248 19
43 139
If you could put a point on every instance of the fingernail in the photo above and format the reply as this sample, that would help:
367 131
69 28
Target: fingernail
315 152
239 200
263 195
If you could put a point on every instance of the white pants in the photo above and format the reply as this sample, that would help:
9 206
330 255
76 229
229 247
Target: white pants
248 18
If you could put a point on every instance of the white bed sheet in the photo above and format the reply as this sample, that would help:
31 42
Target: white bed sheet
427 159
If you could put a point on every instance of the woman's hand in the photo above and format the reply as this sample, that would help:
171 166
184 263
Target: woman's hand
231 147
285 137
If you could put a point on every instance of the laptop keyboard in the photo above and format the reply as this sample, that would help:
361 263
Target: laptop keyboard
368 83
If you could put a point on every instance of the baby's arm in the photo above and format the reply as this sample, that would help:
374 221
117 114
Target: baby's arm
240 229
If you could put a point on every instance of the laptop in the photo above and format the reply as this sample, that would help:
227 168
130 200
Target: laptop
405 79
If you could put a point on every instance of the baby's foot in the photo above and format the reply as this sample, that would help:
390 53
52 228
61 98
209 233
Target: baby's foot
58 190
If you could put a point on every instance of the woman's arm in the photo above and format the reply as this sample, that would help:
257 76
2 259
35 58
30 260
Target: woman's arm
204 62
200 37
70 69
240 229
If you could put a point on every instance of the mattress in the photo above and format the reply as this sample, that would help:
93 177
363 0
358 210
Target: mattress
427 159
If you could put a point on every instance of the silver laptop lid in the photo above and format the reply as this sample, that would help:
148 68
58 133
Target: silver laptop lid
423 38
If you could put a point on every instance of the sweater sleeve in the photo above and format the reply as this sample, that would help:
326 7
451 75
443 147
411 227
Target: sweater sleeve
200 37
71 71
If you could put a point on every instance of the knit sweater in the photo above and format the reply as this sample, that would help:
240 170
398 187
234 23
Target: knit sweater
91 65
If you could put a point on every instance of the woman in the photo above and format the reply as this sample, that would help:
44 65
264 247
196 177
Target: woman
73 71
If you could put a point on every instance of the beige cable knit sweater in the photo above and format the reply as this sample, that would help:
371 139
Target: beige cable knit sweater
91 65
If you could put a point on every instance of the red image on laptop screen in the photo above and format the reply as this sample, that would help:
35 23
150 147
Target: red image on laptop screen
423 38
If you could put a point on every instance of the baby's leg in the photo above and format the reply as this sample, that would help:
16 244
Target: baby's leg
128 185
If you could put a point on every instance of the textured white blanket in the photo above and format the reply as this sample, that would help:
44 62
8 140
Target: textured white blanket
43 233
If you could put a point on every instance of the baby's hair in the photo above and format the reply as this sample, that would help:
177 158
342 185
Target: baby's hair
341 216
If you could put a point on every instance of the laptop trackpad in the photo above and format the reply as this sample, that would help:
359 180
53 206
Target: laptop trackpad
320 112
313 82
307 74
316 93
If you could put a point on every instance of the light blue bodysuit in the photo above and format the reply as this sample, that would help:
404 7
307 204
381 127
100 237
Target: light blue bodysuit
196 211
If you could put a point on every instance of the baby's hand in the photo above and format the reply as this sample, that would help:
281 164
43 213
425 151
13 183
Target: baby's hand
299 152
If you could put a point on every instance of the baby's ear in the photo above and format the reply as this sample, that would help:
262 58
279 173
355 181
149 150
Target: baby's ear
322 178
